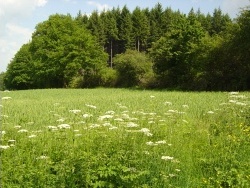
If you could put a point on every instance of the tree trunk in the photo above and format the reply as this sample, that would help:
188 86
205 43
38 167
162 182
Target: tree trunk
111 54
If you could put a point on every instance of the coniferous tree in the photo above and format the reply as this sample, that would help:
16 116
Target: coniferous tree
140 28
111 32
125 30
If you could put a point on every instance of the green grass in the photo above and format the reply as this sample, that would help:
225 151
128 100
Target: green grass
124 138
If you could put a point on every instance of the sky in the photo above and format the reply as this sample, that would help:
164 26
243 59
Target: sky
18 18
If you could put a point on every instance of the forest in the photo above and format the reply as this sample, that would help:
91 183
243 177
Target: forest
157 48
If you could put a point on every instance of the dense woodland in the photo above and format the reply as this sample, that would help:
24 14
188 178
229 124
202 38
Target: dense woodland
145 48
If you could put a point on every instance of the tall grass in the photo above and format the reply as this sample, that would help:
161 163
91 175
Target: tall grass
124 138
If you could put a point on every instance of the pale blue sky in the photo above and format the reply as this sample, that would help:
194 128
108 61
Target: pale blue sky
18 18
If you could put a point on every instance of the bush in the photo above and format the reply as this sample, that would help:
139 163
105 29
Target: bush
134 68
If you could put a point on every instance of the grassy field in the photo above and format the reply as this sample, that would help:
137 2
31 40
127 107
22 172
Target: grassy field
124 138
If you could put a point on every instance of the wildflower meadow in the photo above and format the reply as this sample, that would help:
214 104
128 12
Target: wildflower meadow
124 138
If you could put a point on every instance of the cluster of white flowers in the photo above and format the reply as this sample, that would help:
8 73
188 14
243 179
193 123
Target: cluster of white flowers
75 111
60 120
210 112
111 112
52 128
6 98
167 158
42 157
32 136
87 115
132 124
64 126
150 143
4 147
91 106
105 117
146 131
23 131
168 103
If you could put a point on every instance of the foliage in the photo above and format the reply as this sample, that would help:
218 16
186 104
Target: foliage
2 85
60 47
20 71
189 52
132 67
173 54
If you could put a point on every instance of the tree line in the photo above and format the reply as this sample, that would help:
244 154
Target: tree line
147 48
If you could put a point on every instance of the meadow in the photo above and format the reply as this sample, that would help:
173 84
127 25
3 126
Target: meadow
124 138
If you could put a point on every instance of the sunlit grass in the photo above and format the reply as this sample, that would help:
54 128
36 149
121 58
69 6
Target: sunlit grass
124 138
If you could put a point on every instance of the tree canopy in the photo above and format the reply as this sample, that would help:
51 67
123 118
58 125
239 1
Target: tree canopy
190 51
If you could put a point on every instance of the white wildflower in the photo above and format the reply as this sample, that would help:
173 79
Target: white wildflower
172 111
167 158
152 113
125 116
111 112
42 157
210 112
22 131
232 101
146 131
107 124
6 98
6 91
175 161
238 96
2 132
168 103
64 126
77 135
234 93
118 119
161 142
181 112
125 112
113 127
150 143
32 136
17 127
185 106
94 126
241 103
4 147
53 128
60 120
1 105
170 144
132 124
75 111
151 122
76 130
177 170
152 96
86 115
105 117
171 175
90 106
11 141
